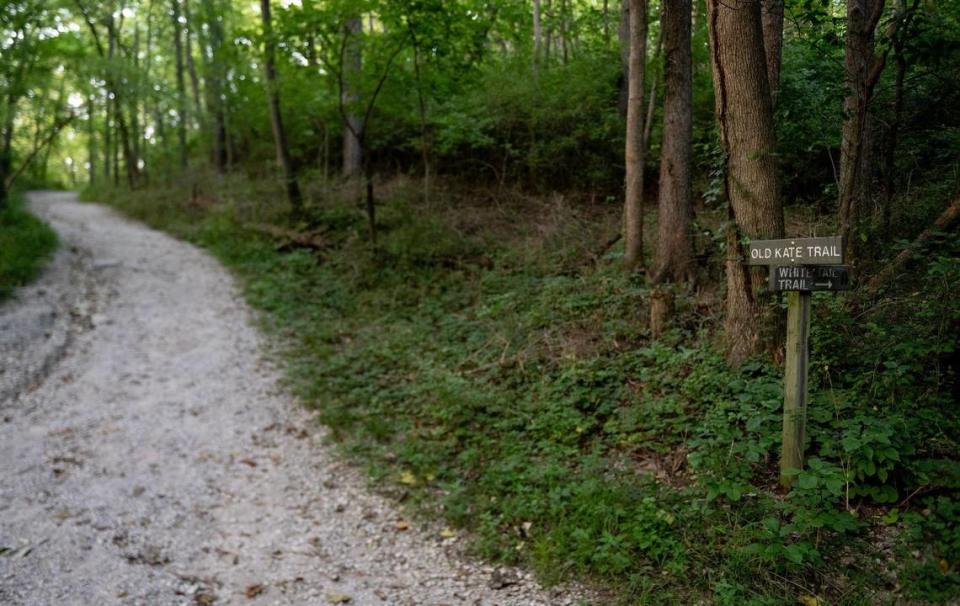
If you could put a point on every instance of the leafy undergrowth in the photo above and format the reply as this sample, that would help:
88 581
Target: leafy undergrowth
25 245
527 404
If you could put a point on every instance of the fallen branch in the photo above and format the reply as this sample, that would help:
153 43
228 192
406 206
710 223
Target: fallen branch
944 222
312 241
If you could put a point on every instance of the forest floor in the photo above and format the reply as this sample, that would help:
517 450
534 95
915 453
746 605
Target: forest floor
160 462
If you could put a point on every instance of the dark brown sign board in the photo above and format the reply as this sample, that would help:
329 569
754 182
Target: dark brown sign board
809 278
796 251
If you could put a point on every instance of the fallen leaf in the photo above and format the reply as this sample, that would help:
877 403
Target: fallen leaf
402 525
810 600
254 590
447 533
408 478
338 598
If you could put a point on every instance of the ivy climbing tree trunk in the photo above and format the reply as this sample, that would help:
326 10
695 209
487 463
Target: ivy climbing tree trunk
633 199
273 99
744 112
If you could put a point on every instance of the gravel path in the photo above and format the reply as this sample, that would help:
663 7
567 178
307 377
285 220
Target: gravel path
160 463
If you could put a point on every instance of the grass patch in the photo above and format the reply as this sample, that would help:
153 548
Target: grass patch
26 244
491 377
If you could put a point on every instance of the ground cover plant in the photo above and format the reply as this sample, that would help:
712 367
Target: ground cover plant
524 400
26 243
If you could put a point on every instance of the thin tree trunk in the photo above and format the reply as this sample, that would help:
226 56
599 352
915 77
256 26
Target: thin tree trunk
773 43
537 37
424 140
214 78
623 34
674 257
863 69
633 200
898 42
745 116
91 143
181 86
352 149
6 147
273 97
191 67
107 143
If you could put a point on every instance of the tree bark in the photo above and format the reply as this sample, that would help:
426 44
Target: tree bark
91 143
674 258
273 98
633 199
352 149
537 38
862 69
773 43
181 86
214 78
745 116
623 34
191 66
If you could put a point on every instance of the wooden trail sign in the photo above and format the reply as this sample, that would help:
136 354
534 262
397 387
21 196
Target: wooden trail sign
809 278
798 266
796 251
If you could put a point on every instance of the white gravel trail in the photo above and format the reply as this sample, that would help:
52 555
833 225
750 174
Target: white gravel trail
161 463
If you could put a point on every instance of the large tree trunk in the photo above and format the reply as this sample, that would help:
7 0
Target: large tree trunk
863 69
181 86
273 97
745 116
352 149
674 257
773 43
633 200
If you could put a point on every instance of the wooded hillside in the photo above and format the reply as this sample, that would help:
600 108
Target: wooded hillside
506 241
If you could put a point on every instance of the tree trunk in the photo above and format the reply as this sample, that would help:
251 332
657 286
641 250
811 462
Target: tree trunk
214 78
745 116
181 86
674 258
537 37
863 69
352 149
6 147
107 143
623 34
191 66
633 200
773 43
273 97
91 143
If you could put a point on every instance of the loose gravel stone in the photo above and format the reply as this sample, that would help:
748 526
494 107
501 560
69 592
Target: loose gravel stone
160 462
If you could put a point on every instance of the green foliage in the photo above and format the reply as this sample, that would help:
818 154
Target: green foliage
25 245
528 406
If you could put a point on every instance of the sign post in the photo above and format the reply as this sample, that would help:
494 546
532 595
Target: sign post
799 266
